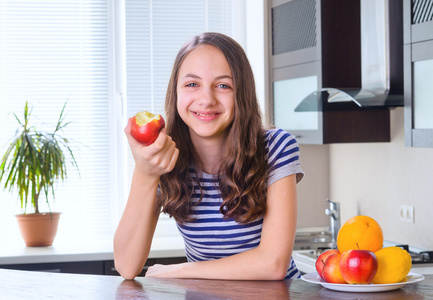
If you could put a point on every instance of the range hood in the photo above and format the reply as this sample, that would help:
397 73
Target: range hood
381 61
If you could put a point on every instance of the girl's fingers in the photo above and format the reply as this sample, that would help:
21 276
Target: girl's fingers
173 160
167 154
170 157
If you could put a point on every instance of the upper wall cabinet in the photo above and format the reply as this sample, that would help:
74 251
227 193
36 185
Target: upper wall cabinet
327 82
418 72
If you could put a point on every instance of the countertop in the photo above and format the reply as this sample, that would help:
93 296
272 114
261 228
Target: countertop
38 285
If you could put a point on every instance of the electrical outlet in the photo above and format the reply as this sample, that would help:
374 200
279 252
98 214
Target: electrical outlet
407 213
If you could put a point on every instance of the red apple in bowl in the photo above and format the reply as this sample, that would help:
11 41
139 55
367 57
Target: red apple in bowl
145 127
358 266
320 261
331 271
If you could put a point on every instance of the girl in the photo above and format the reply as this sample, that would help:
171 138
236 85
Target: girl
229 184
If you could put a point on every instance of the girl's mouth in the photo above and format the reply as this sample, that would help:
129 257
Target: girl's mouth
206 116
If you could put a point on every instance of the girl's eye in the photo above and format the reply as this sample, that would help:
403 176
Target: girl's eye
192 84
224 86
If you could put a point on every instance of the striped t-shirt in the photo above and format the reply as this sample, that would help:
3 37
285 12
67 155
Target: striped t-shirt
209 236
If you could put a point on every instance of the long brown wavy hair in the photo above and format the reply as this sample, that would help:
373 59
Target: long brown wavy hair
243 171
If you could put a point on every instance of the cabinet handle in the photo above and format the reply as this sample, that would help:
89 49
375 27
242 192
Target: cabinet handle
113 269
51 270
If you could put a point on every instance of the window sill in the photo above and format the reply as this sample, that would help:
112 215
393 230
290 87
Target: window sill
14 251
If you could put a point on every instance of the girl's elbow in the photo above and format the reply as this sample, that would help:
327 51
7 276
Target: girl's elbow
126 273
278 274
276 270
128 276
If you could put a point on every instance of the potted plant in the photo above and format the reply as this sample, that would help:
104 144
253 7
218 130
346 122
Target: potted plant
32 164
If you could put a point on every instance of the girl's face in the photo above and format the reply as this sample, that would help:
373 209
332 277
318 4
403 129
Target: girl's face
205 95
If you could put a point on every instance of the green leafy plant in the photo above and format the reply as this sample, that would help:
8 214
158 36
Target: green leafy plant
36 160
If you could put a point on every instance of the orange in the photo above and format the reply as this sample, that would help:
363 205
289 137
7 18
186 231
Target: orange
393 264
360 232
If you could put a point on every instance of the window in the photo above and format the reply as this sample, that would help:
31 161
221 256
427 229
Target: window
50 52
53 51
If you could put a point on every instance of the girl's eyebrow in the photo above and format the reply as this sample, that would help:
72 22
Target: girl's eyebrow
190 75
224 77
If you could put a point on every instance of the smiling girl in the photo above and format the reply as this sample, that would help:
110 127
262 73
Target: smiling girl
229 183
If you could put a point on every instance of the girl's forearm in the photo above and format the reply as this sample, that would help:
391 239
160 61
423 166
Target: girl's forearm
133 236
255 264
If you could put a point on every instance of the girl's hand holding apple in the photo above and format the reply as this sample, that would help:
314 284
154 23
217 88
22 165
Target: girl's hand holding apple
154 152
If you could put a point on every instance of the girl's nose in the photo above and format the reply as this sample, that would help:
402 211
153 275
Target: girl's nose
206 97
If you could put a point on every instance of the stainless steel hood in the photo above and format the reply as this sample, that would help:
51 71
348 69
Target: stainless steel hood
381 61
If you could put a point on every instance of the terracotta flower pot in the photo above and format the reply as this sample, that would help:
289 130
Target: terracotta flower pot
38 230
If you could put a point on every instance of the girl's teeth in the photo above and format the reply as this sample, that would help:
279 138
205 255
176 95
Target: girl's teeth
205 115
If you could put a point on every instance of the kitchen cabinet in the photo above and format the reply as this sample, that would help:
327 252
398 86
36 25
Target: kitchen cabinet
78 267
309 40
418 72
88 267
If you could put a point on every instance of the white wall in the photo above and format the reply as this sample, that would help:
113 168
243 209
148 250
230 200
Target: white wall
375 179
314 189
371 179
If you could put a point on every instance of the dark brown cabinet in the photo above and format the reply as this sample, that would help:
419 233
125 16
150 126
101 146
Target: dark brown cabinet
105 267
78 267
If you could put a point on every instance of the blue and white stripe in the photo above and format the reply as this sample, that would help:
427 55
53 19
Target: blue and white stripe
209 236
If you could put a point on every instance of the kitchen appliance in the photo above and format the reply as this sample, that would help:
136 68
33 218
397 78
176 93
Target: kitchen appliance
381 60
422 260
313 239
335 68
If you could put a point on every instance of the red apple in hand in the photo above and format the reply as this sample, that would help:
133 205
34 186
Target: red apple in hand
331 271
145 127
320 262
358 266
